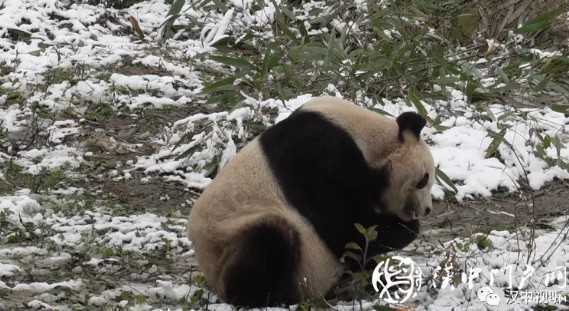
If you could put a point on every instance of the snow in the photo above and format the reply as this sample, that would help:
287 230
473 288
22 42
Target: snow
169 290
214 32
22 251
165 85
9 118
459 151
94 53
507 254
21 208
36 160
545 54
137 233
40 287
39 305
8 269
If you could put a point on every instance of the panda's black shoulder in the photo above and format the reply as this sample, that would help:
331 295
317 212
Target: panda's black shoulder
308 135
322 173
299 128
309 147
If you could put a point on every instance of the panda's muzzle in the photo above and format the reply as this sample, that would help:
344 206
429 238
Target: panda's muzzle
410 209
414 211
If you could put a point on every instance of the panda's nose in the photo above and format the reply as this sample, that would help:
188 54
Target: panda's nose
427 211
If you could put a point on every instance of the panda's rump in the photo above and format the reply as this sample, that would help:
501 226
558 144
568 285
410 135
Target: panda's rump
261 262
274 257
244 194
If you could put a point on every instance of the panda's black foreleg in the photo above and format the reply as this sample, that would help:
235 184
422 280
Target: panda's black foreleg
261 268
394 234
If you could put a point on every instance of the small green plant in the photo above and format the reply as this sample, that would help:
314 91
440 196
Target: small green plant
355 252
360 279
13 96
15 177
139 299
483 242
21 231
5 69
125 295
198 299
165 251
59 75
99 112
448 272
116 4
463 246
107 252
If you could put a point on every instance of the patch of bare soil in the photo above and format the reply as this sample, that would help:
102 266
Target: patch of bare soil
154 196
500 212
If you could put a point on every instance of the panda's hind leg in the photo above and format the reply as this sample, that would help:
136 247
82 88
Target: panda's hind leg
261 264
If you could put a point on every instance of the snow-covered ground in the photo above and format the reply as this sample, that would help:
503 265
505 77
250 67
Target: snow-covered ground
79 93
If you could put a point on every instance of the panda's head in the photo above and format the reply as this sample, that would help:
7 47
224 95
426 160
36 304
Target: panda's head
411 171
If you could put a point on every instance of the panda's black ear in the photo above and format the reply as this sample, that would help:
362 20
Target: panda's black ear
410 121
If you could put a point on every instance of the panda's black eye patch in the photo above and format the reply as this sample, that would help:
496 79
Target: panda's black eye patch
423 182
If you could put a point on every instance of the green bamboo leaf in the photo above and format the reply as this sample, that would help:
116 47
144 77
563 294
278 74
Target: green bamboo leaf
220 85
441 176
381 112
176 7
498 138
547 141
271 60
232 61
502 75
533 27
560 108
414 99
355 257
372 233
541 22
556 65
361 229
558 145
302 30
19 35
308 53
490 114
173 14
353 246
468 23
288 13
506 116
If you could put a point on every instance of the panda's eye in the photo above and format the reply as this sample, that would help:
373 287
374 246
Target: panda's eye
423 181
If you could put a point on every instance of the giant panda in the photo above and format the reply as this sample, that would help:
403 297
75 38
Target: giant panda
271 227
